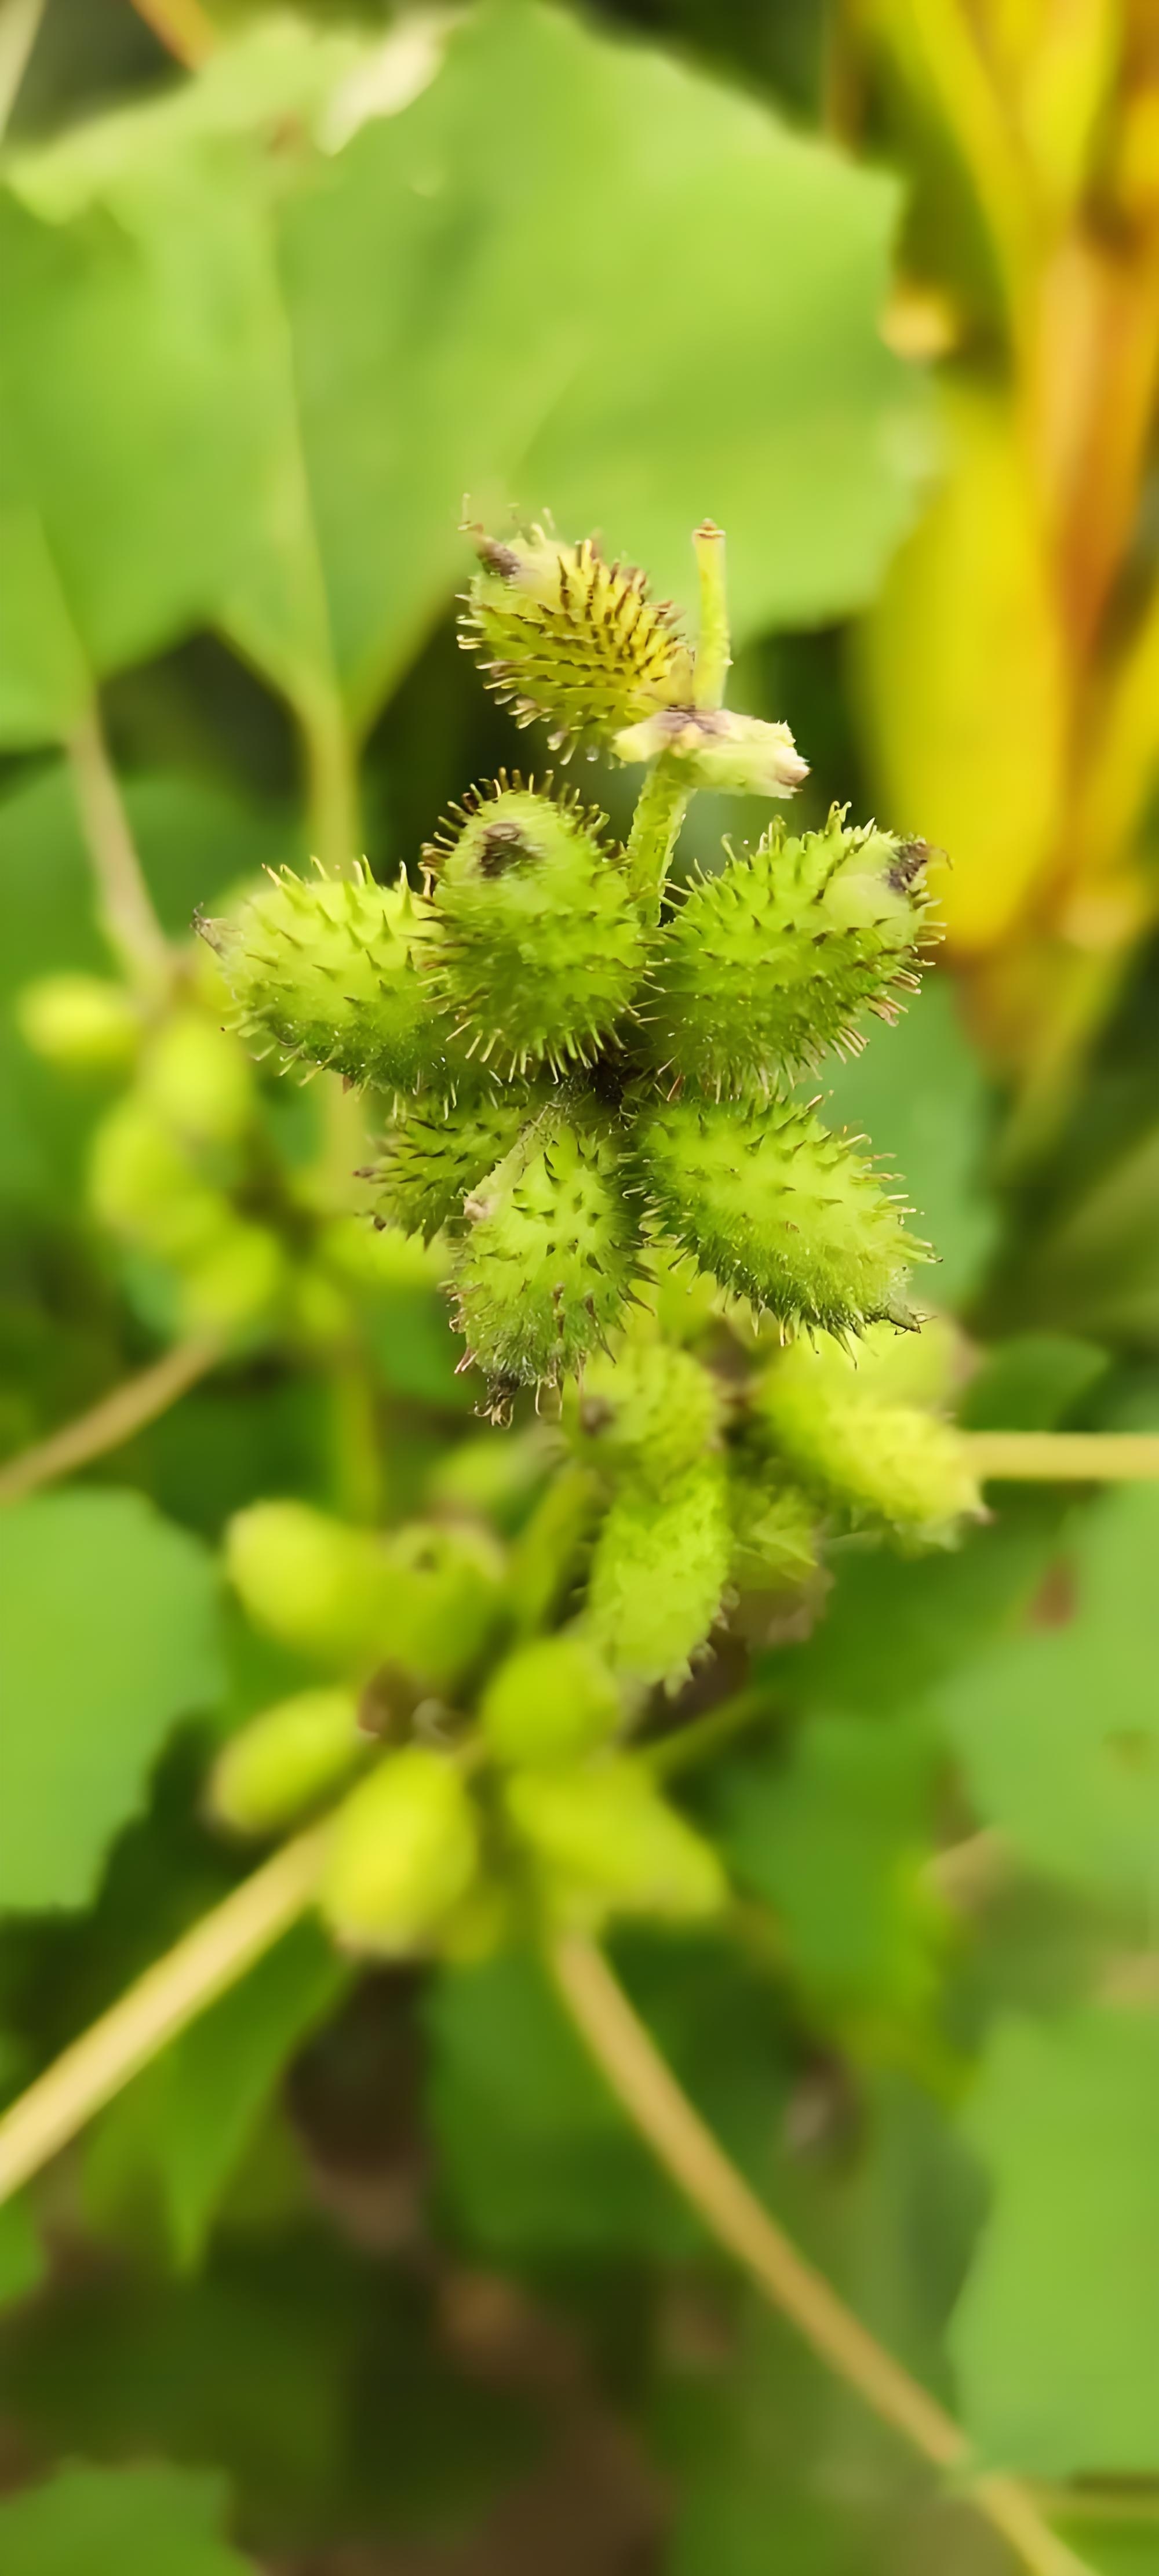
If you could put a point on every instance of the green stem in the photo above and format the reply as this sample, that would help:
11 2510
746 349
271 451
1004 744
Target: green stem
1073 1457
332 783
713 656
126 905
689 1745
111 1422
660 811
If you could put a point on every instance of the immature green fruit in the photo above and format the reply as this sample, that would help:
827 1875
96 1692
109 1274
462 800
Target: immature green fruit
197 1078
648 1414
145 1186
404 1853
81 1023
239 1281
780 1210
445 1600
559 633
765 965
311 1582
540 946
605 1842
550 1255
432 1157
732 755
774 1534
658 1575
285 1760
551 1701
890 1460
328 971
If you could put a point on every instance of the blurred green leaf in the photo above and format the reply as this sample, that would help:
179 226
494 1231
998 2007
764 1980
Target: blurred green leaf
181 2129
22 2264
1056 2336
1057 1730
149 2521
921 1092
108 1635
1031 1383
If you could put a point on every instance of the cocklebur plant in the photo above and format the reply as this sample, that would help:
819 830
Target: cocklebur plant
585 1079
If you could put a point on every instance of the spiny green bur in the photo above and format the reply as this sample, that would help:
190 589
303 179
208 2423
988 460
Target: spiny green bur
541 945
840 1432
433 1157
604 1841
780 1210
658 1575
562 635
550 1254
647 1415
774 1534
763 966
327 970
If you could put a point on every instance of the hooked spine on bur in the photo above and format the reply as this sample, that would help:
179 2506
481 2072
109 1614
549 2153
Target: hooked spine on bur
580 1069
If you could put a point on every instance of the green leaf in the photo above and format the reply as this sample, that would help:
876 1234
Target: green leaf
1057 1730
150 2521
834 1836
182 2128
1056 2336
921 1092
22 2264
108 1635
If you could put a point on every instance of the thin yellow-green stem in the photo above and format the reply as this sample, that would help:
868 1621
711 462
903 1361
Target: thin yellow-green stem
332 782
126 905
660 810
701 1737
19 29
181 26
713 655
169 1996
648 2091
1064 1457
137 1401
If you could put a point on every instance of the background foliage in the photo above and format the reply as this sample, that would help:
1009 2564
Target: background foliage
367 2275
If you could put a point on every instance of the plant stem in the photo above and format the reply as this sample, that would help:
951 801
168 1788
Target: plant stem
648 2091
660 810
111 1422
126 905
703 1736
181 26
170 1995
712 652
1036 1457
332 774
19 29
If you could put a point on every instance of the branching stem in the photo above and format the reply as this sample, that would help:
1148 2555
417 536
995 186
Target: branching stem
126 905
170 1995
181 26
111 1422
632 2065
1041 1457
660 810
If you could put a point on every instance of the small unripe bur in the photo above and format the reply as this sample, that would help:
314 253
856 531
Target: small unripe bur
81 1023
197 1077
144 1184
731 754
279 1765
240 1280
311 1582
444 1599
431 1159
774 1534
404 1853
550 1254
550 1702
780 1210
658 1574
902 1465
328 970
606 1842
648 1414
561 635
765 965
541 945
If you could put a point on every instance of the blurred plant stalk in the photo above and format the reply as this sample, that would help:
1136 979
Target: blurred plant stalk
1009 672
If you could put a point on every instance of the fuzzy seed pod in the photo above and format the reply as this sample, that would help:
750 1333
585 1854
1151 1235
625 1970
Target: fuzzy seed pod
550 1256
145 1185
765 965
888 1460
198 1078
774 1534
604 1842
327 970
731 754
647 1415
431 1158
550 1702
404 1853
80 1023
780 1210
540 946
279 1765
310 1582
658 1575
560 634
